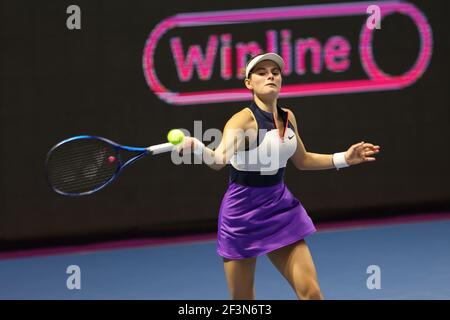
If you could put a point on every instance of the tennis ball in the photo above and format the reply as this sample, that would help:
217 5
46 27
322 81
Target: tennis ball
175 136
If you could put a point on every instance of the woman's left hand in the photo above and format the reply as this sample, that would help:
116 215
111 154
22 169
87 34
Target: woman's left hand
361 152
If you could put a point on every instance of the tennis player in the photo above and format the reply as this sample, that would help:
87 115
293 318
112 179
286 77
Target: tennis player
258 214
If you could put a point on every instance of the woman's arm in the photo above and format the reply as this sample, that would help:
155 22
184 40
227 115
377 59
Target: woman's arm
303 160
233 139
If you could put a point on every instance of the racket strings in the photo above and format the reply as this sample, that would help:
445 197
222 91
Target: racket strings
81 165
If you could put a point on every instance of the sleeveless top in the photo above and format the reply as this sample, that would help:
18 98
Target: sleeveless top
265 164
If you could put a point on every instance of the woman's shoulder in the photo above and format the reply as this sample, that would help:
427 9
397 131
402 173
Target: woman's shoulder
243 118
288 110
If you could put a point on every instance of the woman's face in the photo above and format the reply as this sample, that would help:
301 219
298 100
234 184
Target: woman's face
265 79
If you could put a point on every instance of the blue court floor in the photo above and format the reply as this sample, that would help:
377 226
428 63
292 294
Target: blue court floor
413 260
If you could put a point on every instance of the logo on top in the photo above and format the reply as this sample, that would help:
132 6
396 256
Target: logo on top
219 58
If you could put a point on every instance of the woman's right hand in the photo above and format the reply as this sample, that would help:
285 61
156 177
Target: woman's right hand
188 145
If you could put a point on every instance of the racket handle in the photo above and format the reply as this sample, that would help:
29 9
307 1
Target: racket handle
160 148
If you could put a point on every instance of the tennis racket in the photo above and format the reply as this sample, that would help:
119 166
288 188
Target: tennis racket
85 164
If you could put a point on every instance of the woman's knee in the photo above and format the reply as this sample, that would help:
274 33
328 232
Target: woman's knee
309 292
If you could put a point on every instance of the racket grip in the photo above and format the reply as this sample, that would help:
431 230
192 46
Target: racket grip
160 148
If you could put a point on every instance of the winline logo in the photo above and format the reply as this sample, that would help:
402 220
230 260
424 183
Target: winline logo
219 59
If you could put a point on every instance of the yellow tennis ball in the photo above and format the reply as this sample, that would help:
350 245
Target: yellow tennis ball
175 136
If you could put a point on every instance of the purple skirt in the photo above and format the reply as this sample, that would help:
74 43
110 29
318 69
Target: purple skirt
257 220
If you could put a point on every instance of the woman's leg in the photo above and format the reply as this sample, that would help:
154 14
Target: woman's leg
296 265
240 276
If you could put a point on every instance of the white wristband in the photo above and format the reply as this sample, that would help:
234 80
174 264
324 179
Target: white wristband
199 147
339 160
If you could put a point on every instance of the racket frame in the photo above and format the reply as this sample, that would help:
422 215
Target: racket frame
152 150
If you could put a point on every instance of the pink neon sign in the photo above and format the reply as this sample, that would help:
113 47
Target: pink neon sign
336 50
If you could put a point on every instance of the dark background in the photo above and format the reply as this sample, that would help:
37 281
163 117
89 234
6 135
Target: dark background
57 83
